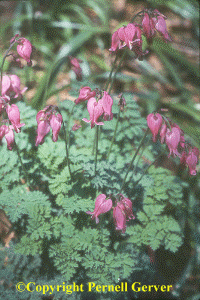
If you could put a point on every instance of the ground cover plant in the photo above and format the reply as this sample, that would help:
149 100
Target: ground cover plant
84 196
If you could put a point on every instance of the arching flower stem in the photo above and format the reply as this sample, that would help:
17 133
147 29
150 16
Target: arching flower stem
134 156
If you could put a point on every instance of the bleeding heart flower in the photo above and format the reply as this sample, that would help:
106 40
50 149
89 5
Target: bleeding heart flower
55 123
95 110
24 49
14 117
172 140
107 106
85 94
192 160
76 67
154 123
101 206
42 130
10 137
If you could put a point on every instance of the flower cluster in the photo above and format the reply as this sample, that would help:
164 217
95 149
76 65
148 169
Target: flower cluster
174 139
122 212
11 89
131 35
46 119
96 106
154 21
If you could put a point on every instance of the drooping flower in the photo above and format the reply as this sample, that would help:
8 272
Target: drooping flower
154 123
128 208
85 94
95 110
163 131
118 40
42 130
76 67
101 206
192 160
107 106
172 140
10 137
148 27
14 117
6 83
47 119
160 26
130 36
154 21
55 123
3 129
15 85
11 86
24 49
123 212
119 217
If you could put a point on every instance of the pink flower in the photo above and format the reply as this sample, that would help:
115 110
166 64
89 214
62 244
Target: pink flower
47 119
122 213
154 123
130 36
101 206
163 131
148 27
153 21
95 110
128 208
14 117
107 106
11 84
192 160
42 130
55 123
6 83
10 137
24 49
3 130
76 67
172 140
160 26
85 94
15 85
120 217
118 40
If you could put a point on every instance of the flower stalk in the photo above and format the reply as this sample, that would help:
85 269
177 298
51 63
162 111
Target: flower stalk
134 156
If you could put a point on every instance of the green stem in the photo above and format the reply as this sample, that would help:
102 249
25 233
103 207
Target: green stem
68 123
110 75
119 65
23 167
147 168
67 153
113 139
134 156
96 153
3 61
